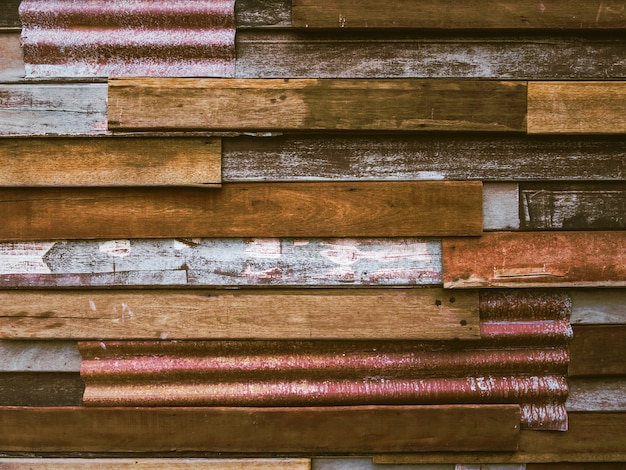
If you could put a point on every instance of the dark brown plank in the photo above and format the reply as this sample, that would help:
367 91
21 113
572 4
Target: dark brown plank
450 14
324 430
9 17
260 13
41 389
577 466
580 206
591 437
598 350
244 210
257 105
536 259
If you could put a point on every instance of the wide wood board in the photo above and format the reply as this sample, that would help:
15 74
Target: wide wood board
155 464
598 350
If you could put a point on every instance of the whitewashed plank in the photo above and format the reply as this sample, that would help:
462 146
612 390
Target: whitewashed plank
501 206
598 306
367 464
39 356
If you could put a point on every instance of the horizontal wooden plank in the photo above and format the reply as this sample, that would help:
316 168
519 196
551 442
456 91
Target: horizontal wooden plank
577 466
362 463
9 17
11 57
222 262
39 356
385 54
577 107
501 203
567 206
111 162
53 109
603 306
475 14
425 314
495 157
591 437
41 389
346 429
155 464
536 259
283 105
598 350
597 394
245 210
262 13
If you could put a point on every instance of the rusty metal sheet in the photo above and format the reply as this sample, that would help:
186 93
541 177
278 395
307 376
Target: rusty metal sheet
526 364
95 38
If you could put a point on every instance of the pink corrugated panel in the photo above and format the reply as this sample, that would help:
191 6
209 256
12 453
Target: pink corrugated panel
102 38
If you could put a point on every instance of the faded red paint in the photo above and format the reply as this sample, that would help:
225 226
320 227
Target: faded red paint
91 38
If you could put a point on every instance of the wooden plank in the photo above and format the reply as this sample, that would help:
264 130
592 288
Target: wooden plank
448 14
235 104
356 463
155 464
328 430
597 394
392 157
9 18
402 54
222 262
577 107
598 350
11 57
578 466
245 210
501 203
39 356
591 437
426 314
260 13
41 389
598 306
111 162
536 259
579 206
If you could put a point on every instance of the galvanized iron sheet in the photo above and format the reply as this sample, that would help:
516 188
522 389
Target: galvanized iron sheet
97 38
522 359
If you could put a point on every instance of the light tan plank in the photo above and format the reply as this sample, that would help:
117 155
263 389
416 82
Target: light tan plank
425 314
155 464
11 58
450 14
111 162
311 104
577 107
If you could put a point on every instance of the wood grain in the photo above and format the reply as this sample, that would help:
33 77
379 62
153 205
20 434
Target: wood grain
536 259
283 105
476 14
601 306
598 350
11 57
222 262
426 314
501 206
328 430
155 464
41 389
9 17
577 107
39 356
596 394
591 437
366 209
111 162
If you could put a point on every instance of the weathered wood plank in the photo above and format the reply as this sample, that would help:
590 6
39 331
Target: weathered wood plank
9 17
329 209
426 314
53 109
356 463
41 389
577 466
501 202
476 14
536 259
111 162
346 429
283 105
345 54
11 58
598 306
424 157
591 437
259 13
597 394
579 206
39 356
155 464
222 262
598 350
577 107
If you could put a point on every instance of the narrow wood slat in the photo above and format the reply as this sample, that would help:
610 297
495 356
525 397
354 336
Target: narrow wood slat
172 463
598 306
536 259
577 466
596 394
598 350
232 104
425 314
577 107
449 14
39 356
41 389
578 206
245 210
591 437
111 162
362 429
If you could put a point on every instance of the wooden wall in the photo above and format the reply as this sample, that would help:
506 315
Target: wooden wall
368 172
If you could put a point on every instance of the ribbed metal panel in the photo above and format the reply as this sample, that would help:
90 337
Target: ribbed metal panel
520 360
101 38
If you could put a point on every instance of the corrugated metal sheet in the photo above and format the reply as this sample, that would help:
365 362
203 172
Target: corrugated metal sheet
519 361
100 38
